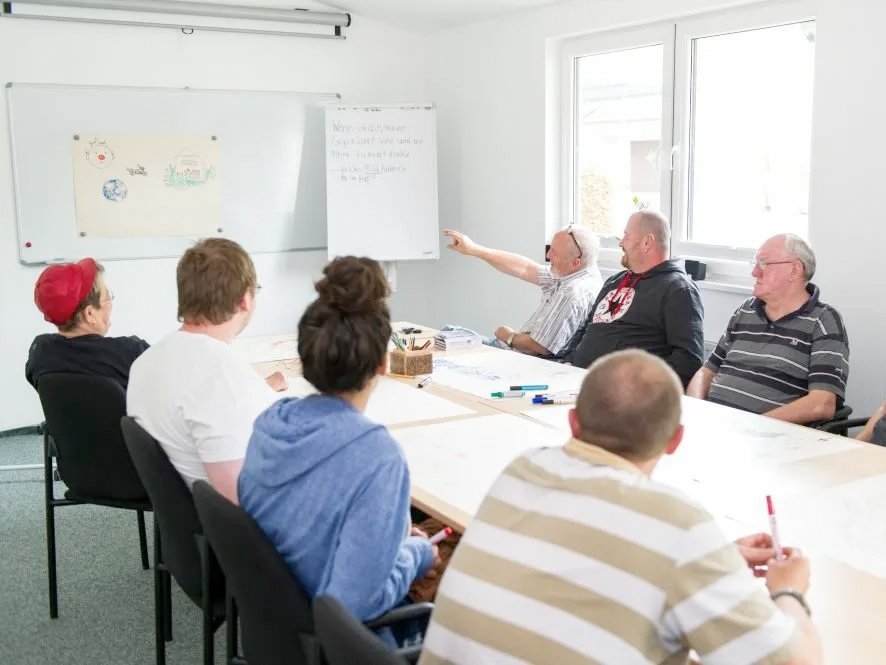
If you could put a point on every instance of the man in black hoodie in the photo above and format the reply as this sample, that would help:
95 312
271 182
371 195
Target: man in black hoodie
653 305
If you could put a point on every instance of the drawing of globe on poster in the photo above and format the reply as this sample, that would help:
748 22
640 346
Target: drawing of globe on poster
189 170
114 190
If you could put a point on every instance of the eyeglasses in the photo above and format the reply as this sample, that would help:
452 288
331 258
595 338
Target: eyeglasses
256 289
762 264
110 297
572 235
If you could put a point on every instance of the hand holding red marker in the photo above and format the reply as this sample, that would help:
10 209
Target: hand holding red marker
441 535
773 527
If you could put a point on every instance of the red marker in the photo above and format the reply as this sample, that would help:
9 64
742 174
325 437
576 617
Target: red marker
440 535
773 527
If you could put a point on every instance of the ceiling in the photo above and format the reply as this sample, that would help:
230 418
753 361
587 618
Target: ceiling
431 15
415 15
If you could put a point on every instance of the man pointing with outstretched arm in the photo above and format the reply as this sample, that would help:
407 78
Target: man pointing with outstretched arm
568 286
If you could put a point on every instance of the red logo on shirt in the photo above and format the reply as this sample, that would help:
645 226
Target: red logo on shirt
615 305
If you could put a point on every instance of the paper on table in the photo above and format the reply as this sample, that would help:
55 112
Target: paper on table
553 415
483 373
393 402
457 461
267 349
853 513
723 437
729 460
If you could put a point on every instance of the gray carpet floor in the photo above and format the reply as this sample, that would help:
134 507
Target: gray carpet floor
106 600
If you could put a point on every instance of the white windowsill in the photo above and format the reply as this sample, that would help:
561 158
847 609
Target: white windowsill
720 283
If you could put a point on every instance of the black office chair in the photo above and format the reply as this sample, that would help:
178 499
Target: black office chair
179 545
839 424
843 426
274 612
82 433
346 641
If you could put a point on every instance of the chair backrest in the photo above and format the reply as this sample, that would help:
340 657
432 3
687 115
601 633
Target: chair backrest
345 640
173 508
82 414
275 613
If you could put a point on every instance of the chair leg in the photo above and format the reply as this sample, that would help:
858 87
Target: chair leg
142 538
231 620
167 590
206 598
161 611
50 527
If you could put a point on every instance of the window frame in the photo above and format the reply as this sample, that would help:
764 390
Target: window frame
726 264
599 44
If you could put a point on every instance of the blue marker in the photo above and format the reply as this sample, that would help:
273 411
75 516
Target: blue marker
540 386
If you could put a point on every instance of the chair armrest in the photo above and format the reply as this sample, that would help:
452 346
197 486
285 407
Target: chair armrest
398 614
834 426
410 654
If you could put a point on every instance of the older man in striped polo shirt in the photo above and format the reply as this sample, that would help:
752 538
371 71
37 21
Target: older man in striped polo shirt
577 556
785 353
568 288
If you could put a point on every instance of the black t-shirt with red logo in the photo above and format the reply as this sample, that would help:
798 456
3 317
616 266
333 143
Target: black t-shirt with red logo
659 311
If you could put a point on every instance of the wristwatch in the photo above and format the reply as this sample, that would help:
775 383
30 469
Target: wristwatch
510 340
796 595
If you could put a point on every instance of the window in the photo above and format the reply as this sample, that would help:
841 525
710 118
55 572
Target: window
708 119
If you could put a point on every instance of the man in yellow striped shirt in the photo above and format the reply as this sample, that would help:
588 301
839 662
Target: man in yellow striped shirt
578 556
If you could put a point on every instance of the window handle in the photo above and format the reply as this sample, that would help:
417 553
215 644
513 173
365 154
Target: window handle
673 156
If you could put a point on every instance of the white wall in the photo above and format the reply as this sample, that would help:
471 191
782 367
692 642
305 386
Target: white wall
499 179
369 66
848 225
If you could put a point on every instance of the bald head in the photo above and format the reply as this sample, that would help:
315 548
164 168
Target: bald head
654 222
629 404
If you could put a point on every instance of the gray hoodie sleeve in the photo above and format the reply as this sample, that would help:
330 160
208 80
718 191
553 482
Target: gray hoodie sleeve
684 328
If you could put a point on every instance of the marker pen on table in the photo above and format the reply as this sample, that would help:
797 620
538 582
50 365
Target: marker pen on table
508 393
440 535
773 527
553 400
540 386
424 382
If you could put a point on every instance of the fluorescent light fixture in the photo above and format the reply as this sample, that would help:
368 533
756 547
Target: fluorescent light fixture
194 16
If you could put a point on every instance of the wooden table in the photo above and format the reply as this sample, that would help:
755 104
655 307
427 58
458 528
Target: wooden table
827 489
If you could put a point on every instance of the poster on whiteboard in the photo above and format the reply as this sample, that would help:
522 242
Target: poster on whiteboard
381 182
145 185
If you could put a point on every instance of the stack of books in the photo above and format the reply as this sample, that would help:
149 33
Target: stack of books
456 339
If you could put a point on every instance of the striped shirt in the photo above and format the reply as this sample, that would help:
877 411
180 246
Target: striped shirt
577 557
566 302
760 365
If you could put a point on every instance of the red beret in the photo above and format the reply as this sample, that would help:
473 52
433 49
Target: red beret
62 287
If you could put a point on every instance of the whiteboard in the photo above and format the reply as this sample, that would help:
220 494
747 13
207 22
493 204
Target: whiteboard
381 182
271 168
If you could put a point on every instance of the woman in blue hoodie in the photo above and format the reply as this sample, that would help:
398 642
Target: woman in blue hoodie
328 486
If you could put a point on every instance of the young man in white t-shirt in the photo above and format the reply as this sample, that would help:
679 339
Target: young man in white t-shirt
191 392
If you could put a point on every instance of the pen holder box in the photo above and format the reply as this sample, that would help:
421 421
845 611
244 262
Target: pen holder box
410 363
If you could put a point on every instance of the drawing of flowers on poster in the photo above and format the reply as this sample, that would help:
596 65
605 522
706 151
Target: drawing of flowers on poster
189 170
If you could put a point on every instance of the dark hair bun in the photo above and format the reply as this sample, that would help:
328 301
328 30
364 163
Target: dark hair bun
353 285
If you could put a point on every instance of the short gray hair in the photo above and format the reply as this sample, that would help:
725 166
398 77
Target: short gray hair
630 404
587 242
796 246
657 224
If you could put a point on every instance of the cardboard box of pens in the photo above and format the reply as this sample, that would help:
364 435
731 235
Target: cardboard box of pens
410 359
